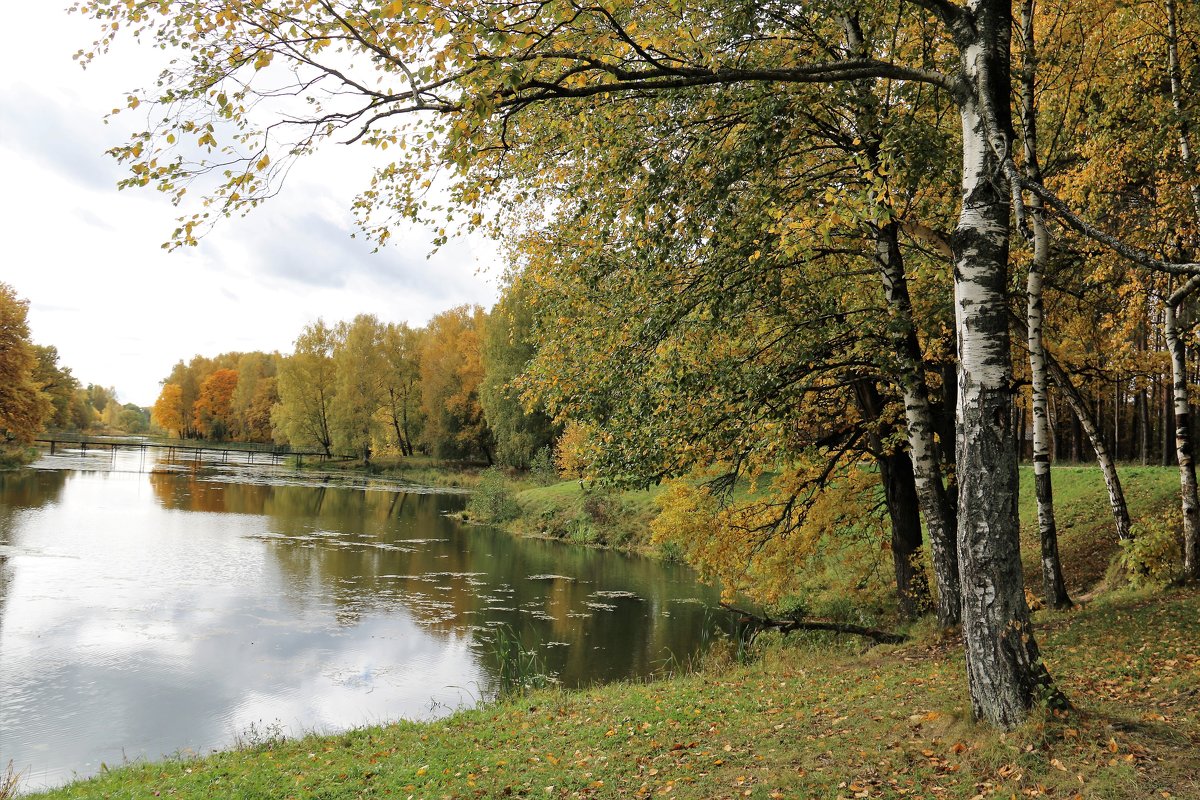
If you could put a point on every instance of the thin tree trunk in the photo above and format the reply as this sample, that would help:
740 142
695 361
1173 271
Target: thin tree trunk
1168 452
1112 481
927 472
1054 587
1117 420
396 422
1184 447
1144 426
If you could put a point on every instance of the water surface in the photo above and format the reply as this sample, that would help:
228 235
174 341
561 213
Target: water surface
151 608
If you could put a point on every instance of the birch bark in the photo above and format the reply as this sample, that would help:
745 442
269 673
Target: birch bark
1184 446
927 472
1005 672
1054 587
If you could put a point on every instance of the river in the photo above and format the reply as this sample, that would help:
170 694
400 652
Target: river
150 609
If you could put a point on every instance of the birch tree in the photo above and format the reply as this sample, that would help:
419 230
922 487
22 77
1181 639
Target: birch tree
307 383
1053 584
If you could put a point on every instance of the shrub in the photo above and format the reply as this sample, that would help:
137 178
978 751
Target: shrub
541 467
493 500
1152 556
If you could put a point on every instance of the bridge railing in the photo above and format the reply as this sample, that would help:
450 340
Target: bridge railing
74 437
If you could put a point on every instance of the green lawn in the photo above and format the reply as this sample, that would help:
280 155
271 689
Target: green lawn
1087 536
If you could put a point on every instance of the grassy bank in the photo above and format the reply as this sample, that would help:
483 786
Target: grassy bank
813 717
1087 539
1087 542
416 470
16 457
591 516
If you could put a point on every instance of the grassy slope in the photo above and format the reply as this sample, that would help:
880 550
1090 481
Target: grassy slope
815 718
593 516
1087 539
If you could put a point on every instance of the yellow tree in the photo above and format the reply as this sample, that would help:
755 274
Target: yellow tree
307 383
359 371
451 373
24 407
168 411
402 382
57 382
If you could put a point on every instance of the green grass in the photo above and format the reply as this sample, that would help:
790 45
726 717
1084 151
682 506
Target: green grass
588 514
1087 537
813 717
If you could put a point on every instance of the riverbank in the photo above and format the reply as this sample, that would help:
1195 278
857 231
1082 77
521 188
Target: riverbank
417 470
592 515
595 516
812 716
12 458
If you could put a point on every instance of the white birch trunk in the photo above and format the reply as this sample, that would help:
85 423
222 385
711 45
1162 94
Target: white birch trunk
1053 585
1004 669
927 471
1184 447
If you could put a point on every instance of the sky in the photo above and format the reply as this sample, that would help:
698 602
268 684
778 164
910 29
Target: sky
88 258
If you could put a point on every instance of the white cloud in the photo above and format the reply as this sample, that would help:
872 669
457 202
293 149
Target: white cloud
119 308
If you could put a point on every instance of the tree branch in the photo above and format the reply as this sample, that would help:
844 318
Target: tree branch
1127 251
788 625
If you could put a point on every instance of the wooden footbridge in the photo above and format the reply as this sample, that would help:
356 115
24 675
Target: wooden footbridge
182 449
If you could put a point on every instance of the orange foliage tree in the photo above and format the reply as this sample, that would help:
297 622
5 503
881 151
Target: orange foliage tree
213 411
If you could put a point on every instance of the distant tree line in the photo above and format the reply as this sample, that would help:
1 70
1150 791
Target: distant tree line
37 392
364 387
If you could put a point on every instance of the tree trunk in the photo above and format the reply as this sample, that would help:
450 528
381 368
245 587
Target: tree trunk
935 505
1112 481
900 492
1005 672
1184 447
396 422
1144 427
1054 587
921 465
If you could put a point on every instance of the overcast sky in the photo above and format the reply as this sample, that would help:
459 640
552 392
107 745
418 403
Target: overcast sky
120 309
